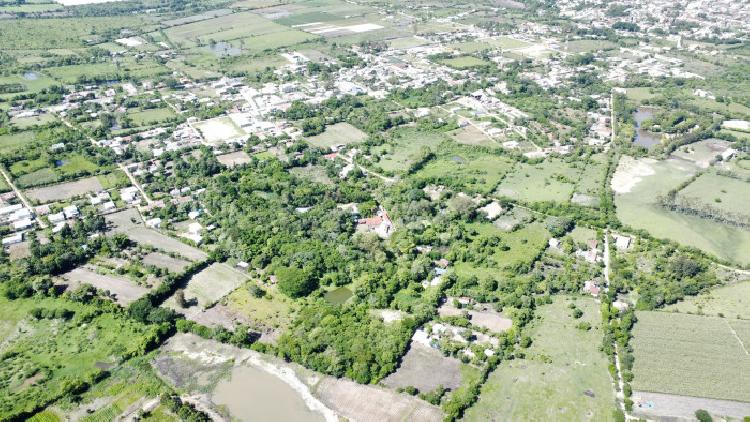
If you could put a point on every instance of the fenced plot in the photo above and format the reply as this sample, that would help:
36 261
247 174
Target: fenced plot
63 191
692 355
124 290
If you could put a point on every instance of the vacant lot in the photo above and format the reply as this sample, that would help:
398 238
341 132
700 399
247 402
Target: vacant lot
165 243
692 355
426 369
564 377
271 313
553 180
464 62
234 159
731 301
727 194
219 130
403 148
213 283
522 246
124 290
64 191
467 171
161 260
338 134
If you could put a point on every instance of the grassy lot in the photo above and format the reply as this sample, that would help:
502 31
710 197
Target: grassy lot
426 369
553 180
562 365
636 207
115 179
471 135
523 246
271 311
151 116
27 122
53 355
64 191
640 94
213 283
467 171
591 180
12 142
508 43
733 109
33 82
404 146
585 46
31 34
38 172
691 355
340 133
732 301
469 47
726 193
317 174
464 62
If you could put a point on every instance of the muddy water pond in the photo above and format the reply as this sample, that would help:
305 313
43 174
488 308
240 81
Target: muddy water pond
252 394
643 137
338 296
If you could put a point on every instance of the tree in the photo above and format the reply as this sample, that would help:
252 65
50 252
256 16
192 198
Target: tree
703 416
295 282
179 298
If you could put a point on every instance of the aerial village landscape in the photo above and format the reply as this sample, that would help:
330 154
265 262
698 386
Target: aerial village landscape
361 210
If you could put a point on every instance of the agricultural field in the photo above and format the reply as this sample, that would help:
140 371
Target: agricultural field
151 116
12 142
64 191
730 301
553 180
40 171
563 377
638 182
586 46
338 134
317 174
24 123
691 355
52 355
212 284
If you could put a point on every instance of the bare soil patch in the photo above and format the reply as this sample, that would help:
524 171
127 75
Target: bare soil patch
63 191
234 159
158 259
124 290
426 369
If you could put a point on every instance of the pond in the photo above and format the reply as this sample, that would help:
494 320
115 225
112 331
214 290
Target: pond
643 137
31 76
338 296
252 394
223 49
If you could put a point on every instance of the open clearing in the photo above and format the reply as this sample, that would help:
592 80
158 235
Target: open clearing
213 283
692 355
165 243
637 184
564 377
124 290
338 134
403 148
466 171
270 314
491 320
725 193
553 180
234 159
218 130
732 301
64 191
425 368
161 260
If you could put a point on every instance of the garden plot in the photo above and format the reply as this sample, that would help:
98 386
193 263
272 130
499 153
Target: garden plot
124 290
234 159
564 376
213 283
692 355
426 369
158 259
64 191
219 130
338 134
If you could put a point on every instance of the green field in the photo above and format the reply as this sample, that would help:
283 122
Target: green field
12 142
151 116
562 365
29 173
732 194
522 246
508 43
731 301
271 311
403 148
464 62
53 355
467 171
553 180
340 133
641 93
585 46
637 208
60 33
692 355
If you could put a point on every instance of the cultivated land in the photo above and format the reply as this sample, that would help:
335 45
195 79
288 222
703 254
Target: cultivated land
672 352
564 370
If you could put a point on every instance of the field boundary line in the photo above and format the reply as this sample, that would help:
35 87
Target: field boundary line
734 333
